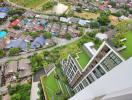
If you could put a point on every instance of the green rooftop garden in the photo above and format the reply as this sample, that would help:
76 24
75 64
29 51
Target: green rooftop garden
126 53
83 59
54 87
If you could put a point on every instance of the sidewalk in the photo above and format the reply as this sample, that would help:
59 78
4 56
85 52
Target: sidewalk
34 90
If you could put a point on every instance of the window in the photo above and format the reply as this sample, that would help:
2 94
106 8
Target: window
81 86
98 72
78 88
111 61
90 78
74 68
85 82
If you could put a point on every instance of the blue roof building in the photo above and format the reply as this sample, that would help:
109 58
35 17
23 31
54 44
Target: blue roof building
19 43
38 42
4 9
83 22
2 15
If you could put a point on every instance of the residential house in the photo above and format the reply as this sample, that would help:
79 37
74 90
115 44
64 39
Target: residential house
18 43
55 29
84 22
3 16
10 69
2 44
63 30
73 20
38 42
48 27
24 68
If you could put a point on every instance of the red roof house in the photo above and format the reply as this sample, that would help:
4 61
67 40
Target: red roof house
14 23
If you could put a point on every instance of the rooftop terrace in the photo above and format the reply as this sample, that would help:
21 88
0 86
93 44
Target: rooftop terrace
82 59
126 53
52 86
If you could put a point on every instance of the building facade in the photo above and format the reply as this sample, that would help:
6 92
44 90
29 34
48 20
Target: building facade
104 60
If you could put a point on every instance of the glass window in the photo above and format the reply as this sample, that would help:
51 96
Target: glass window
98 72
85 82
90 78
81 86
111 61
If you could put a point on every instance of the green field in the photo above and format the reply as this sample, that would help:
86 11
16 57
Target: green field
29 3
128 51
83 59
51 86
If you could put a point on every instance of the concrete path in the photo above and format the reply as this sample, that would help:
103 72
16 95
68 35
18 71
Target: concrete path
34 91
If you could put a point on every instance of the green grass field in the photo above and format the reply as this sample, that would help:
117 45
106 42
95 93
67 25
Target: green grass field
128 51
83 59
51 86
29 3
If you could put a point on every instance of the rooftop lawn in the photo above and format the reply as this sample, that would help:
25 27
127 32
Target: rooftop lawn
51 86
126 53
83 59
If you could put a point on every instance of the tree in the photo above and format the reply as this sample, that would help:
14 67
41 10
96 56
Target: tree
130 10
16 27
2 53
103 29
48 4
117 40
47 35
118 14
94 24
112 3
68 36
91 34
14 51
78 9
103 20
16 96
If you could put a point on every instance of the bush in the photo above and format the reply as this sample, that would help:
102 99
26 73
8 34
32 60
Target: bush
94 24
16 27
48 4
103 29
47 35
91 34
20 92
14 51
16 96
68 36
18 11
2 53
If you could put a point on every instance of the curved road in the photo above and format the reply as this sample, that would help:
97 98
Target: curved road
25 55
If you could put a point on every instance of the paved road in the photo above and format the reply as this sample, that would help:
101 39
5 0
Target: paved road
25 55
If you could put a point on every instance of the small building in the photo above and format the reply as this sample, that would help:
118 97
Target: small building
18 43
4 9
38 42
14 23
55 29
63 30
73 20
101 36
89 48
2 44
24 68
3 16
83 22
63 19
11 68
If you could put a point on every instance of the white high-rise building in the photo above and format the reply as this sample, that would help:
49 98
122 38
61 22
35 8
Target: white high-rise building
101 62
